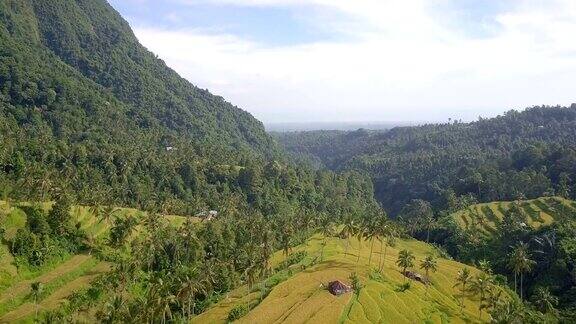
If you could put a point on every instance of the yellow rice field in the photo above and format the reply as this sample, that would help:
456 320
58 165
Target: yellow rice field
303 299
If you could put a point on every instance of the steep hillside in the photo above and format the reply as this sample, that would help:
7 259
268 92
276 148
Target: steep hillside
63 274
299 294
86 109
518 155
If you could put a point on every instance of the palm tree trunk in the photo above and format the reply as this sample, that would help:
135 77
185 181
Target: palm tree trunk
521 286
426 293
385 253
371 249
381 248
462 299
515 282
428 235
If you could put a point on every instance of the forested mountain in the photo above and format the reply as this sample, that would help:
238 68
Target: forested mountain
93 121
518 155
88 111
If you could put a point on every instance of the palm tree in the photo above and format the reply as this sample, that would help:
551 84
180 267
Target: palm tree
429 223
160 298
462 279
390 241
405 260
113 310
371 233
492 300
37 289
520 263
190 285
360 236
429 264
480 285
544 300
104 213
485 266
350 228
326 229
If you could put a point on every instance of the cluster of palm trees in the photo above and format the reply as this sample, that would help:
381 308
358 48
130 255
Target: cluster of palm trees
481 285
484 286
372 229
406 260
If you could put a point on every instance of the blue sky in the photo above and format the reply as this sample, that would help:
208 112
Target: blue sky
366 60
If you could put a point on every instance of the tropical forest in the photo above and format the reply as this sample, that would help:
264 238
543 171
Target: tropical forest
130 195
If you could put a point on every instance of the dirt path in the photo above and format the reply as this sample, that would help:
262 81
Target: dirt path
23 287
56 298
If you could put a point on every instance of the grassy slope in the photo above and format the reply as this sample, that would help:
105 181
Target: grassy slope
301 298
61 277
486 216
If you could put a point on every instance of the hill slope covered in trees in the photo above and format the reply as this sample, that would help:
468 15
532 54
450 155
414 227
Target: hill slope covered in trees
87 111
518 155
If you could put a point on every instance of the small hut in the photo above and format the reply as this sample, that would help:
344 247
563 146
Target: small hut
207 216
338 288
415 276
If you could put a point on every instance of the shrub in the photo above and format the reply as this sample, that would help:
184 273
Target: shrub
292 259
356 284
237 312
403 287
59 216
376 275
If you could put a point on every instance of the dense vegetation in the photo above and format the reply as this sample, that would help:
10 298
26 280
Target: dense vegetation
431 178
518 155
88 116
86 110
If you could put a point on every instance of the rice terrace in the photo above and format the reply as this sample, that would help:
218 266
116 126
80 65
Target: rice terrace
539 212
287 161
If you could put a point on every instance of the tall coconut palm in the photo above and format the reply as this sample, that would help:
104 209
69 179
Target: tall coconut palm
485 266
360 236
348 230
544 300
479 286
390 241
37 289
405 260
429 222
429 264
189 286
327 230
371 233
492 300
104 213
113 309
462 280
520 263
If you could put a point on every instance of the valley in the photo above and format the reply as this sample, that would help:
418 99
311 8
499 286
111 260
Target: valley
128 194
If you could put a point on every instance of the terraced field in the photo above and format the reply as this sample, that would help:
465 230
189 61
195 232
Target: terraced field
303 298
540 212
61 277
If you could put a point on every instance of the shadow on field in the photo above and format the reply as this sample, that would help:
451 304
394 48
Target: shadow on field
330 264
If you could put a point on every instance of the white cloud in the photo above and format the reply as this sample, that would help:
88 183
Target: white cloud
403 63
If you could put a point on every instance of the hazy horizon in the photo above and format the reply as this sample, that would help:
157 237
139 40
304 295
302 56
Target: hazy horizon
325 60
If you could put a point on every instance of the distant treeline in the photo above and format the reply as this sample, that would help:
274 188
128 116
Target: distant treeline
518 155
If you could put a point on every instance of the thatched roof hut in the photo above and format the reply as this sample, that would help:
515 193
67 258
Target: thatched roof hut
415 276
338 288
